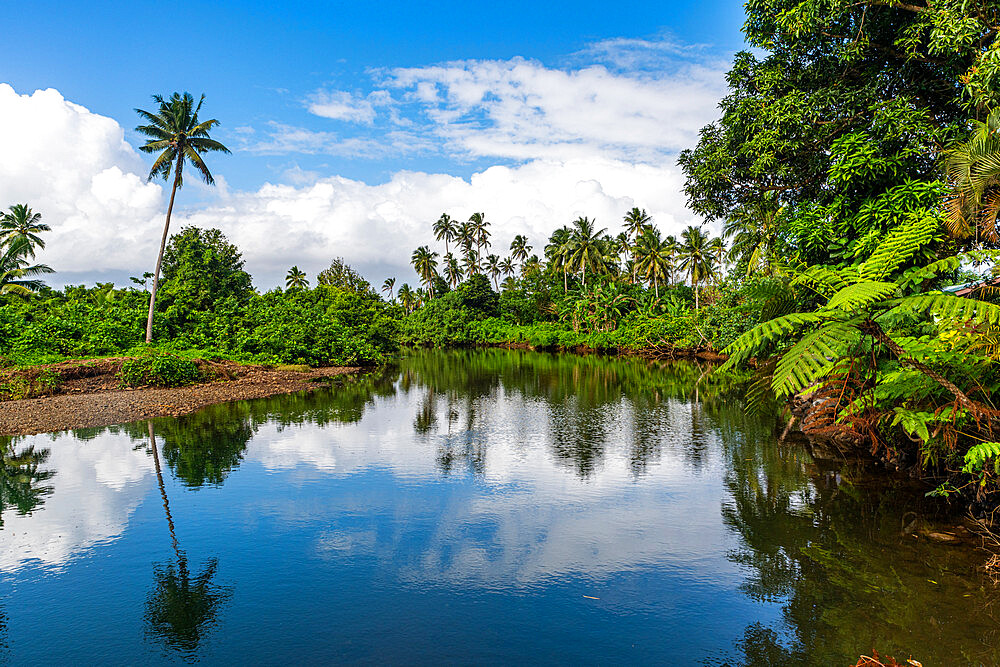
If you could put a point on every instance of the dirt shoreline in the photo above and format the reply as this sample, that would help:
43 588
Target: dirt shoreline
95 400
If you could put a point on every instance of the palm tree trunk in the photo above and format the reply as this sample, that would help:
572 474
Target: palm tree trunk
163 245
656 288
565 280
163 490
696 306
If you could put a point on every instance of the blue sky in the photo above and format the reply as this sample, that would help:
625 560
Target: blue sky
366 93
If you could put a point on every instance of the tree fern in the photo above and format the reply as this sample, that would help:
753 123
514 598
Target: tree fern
977 456
813 356
951 307
766 332
861 294
899 247
826 280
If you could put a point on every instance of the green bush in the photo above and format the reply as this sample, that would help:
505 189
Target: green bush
160 369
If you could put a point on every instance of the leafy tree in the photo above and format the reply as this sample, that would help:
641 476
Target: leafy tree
340 274
17 276
296 279
178 136
200 269
387 288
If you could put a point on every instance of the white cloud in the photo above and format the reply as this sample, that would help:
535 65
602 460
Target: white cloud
376 227
342 105
587 141
76 168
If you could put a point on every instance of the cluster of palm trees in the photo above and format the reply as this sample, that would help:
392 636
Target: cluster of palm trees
20 230
639 254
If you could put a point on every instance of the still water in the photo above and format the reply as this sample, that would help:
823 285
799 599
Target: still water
471 507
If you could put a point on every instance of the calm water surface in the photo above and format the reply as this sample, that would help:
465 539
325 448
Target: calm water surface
472 507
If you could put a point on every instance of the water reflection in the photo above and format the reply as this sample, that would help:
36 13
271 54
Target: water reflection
181 609
478 473
22 479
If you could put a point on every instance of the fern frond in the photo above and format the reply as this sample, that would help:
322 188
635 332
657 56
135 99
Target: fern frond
917 275
812 357
766 332
861 294
950 307
977 456
899 247
826 280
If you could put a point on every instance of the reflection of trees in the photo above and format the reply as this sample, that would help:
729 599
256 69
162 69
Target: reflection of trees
830 547
181 609
22 481
585 398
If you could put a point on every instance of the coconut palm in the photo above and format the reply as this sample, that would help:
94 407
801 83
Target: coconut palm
587 249
671 250
176 133
635 221
17 276
22 226
507 266
973 169
296 279
697 258
466 237
651 258
519 249
445 230
406 297
558 252
425 264
754 232
452 270
493 268
481 232
387 287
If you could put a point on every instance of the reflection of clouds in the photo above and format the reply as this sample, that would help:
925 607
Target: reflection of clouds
531 517
97 485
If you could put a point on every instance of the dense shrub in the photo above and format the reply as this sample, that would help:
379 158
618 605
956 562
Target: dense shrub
158 368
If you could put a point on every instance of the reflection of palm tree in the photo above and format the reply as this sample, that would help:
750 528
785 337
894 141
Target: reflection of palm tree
182 608
20 477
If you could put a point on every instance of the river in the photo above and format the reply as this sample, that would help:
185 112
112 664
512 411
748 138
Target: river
472 507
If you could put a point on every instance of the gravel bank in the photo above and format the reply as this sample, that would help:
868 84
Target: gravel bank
96 401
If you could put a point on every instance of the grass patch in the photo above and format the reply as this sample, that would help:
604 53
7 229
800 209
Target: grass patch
298 368
156 368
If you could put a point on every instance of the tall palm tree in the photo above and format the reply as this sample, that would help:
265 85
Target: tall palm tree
16 275
587 248
176 133
425 264
493 268
480 228
445 230
466 237
754 230
973 169
22 226
558 252
635 221
507 267
296 279
406 297
651 257
387 288
452 270
519 249
671 250
624 249
697 258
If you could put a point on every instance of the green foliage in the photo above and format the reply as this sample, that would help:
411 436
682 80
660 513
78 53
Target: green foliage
156 368
978 455
200 269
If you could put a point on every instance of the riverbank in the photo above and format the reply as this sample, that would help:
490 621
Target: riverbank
88 393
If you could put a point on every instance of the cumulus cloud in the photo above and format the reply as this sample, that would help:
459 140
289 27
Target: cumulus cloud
522 109
76 168
592 140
